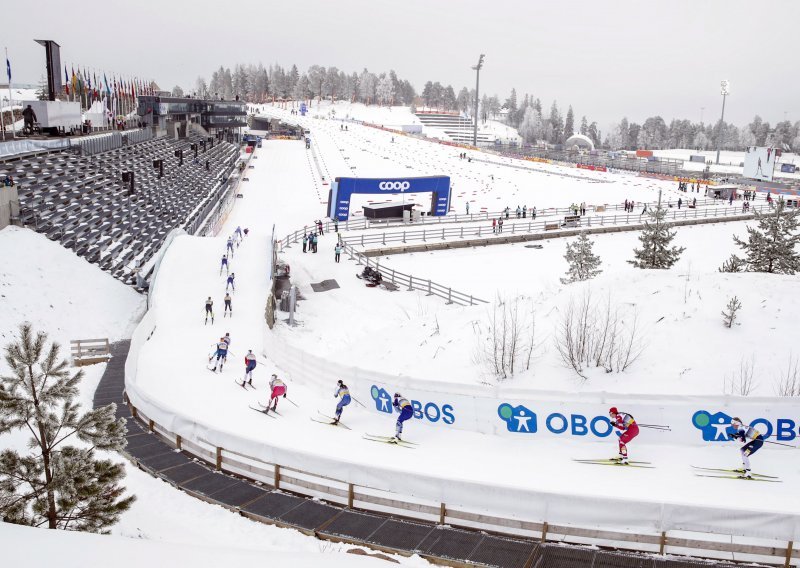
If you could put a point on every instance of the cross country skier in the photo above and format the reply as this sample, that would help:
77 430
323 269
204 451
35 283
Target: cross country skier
343 392
227 339
238 233
230 246
224 264
627 425
230 283
249 366
744 432
209 309
278 388
222 354
228 307
406 412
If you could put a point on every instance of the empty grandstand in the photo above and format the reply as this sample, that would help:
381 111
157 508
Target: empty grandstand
115 208
456 127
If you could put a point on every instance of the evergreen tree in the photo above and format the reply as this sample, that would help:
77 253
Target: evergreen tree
58 486
583 263
569 125
772 245
584 126
656 237
730 313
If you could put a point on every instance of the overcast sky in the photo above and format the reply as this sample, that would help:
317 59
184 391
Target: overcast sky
608 59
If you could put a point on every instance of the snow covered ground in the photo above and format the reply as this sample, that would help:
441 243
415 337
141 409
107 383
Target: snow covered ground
410 334
397 333
393 117
47 285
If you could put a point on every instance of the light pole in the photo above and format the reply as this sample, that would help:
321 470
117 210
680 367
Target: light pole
724 85
477 69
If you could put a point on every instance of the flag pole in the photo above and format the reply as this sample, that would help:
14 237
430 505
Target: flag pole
10 98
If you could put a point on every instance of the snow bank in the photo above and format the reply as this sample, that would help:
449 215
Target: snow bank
40 547
59 292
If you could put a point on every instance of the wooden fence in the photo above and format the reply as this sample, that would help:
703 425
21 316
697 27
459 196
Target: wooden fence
338 492
90 351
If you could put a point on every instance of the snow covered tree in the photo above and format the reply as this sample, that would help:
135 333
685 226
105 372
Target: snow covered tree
733 264
569 125
58 486
730 311
772 245
583 263
177 91
584 126
385 90
656 237
201 88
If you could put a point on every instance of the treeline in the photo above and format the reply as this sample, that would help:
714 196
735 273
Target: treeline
655 134
258 84
535 123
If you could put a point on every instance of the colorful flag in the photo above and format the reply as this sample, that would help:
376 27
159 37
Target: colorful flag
108 89
8 70
74 81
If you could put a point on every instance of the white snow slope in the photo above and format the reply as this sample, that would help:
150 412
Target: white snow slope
186 397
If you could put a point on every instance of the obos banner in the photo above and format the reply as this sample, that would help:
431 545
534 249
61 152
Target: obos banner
342 188
692 420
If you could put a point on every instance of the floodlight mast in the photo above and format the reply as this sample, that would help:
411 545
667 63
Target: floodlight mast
724 88
477 69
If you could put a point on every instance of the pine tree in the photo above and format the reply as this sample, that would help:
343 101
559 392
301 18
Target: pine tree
569 125
583 263
656 238
58 486
772 245
729 316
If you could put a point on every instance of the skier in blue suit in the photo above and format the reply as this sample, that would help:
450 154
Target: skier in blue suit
343 392
406 412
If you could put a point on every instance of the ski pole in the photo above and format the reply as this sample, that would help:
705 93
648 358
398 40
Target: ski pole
293 402
357 401
656 427
780 444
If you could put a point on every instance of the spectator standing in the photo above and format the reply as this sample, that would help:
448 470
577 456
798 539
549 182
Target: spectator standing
337 251
28 117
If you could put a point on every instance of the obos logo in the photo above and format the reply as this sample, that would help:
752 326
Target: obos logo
715 426
430 411
522 420
394 185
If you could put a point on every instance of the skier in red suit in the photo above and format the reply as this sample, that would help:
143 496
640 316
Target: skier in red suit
629 430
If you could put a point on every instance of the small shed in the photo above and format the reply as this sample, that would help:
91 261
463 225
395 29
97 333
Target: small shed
722 191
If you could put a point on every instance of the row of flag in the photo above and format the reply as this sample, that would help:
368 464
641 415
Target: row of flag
83 83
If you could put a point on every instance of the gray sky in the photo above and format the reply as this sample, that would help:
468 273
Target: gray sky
607 58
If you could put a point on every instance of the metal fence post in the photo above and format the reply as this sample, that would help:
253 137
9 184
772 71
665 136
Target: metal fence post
424 240
449 295
404 236
410 282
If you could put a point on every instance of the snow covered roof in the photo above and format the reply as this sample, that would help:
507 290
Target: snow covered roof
580 140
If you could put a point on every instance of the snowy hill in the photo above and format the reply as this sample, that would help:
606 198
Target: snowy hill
57 291
78 550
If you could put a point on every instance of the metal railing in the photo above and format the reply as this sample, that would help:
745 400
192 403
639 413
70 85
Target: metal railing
526 227
363 224
399 279
411 283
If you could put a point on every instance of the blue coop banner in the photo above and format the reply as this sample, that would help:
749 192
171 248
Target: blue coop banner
342 188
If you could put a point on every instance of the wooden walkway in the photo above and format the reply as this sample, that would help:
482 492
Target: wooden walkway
439 544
